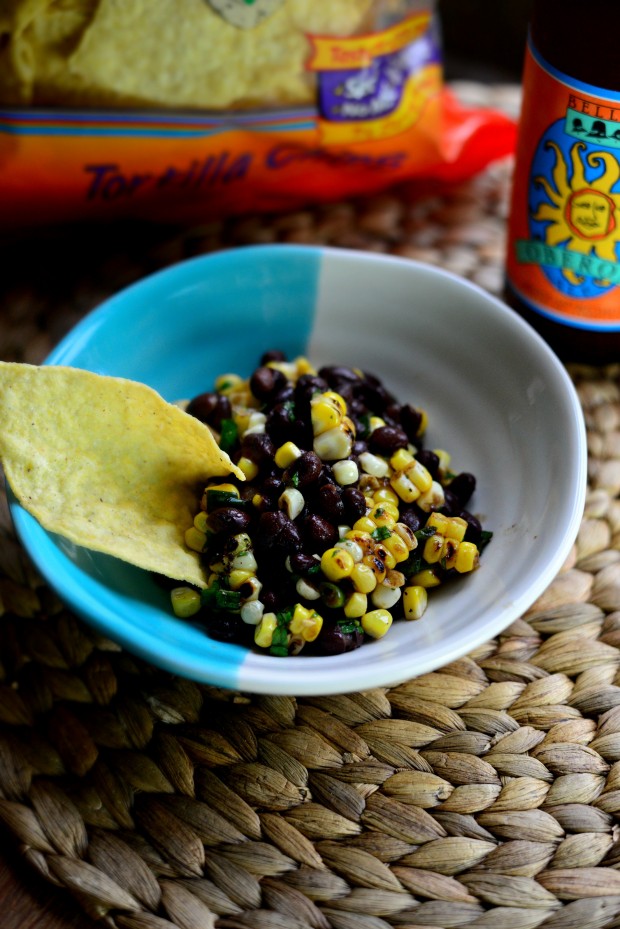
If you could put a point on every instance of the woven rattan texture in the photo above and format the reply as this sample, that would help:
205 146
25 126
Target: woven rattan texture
483 795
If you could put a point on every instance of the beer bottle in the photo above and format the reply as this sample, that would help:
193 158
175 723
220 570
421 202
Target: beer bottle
563 255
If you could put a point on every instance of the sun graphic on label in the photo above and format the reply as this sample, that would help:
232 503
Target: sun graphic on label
582 215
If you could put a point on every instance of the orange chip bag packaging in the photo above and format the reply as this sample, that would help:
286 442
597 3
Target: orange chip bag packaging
185 110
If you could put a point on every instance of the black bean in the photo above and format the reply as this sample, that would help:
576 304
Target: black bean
258 447
266 381
473 533
330 504
308 385
228 520
463 486
451 503
430 460
302 563
354 504
410 420
319 533
210 408
276 532
304 471
412 516
359 447
334 641
385 440
273 355
227 627
337 374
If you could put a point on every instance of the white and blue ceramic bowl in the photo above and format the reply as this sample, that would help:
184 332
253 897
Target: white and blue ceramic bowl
497 399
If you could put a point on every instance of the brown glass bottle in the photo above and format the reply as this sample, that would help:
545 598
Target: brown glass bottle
563 255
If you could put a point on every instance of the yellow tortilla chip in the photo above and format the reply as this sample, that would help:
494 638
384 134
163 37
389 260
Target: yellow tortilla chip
107 463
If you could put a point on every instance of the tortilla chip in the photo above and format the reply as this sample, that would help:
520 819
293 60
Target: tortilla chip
107 463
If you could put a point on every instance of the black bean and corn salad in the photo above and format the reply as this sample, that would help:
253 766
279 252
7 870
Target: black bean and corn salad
345 521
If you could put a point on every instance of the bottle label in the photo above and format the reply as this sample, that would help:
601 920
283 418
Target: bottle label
564 236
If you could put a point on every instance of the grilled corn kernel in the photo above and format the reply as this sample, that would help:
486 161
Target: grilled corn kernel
195 539
423 422
354 550
407 535
263 635
401 459
419 475
376 565
244 561
385 597
200 521
432 498
337 400
303 366
250 589
185 601
396 546
227 382
433 548
385 495
286 455
363 539
364 524
252 612
386 556
376 623
456 529
248 467
449 551
363 578
415 600
336 564
334 444
444 459
404 486
237 578
355 605
438 521
374 464
345 472
384 513
375 422
306 623
427 577
467 557
292 502
307 590
324 414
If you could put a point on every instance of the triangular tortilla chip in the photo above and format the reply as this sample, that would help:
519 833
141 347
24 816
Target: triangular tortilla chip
107 463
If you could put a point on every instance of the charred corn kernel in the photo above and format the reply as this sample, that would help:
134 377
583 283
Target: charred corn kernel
218 567
305 622
375 422
404 486
401 459
292 502
386 495
407 535
250 589
244 561
395 578
248 467
185 601
227 382
415 600
263 635
385 555
200 521
432 498
353 548
384 513
363 578
334 444
376 623
346 472
195 539
396 546
286 454
336 564
239 543
449 551
376 565
385 597
364 524
433 548
324 414
456 529
307 590
427 577
336 399
252 612
237 578
419 475
355 605
438 521
363 539
466 558
374 464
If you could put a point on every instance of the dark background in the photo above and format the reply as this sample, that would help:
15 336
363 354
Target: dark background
484 39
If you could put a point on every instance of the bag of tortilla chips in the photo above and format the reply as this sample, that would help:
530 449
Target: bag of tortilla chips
185 110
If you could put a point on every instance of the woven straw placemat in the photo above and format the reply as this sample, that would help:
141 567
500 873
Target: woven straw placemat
483 795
